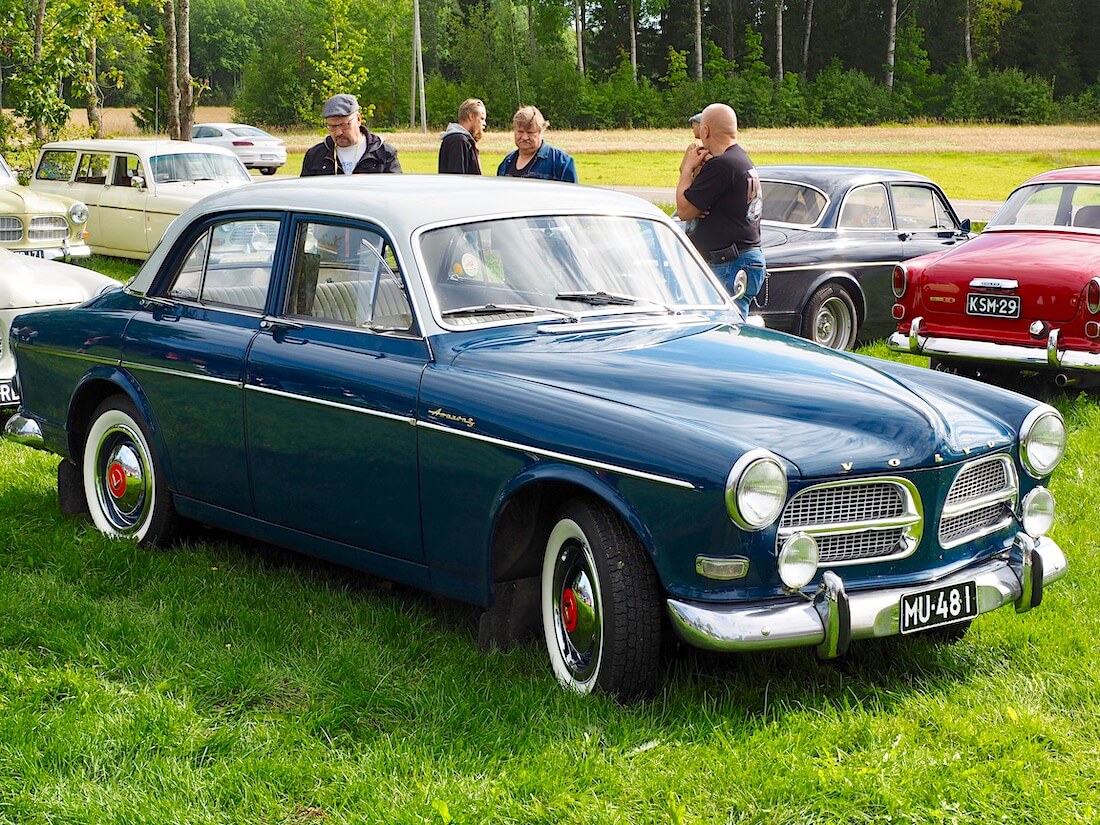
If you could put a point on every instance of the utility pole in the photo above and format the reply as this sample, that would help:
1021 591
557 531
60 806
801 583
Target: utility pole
417 74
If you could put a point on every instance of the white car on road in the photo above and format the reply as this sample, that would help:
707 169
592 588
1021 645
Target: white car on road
256 148
134 188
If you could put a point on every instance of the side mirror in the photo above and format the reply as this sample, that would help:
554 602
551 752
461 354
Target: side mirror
740 285
965 225
137 182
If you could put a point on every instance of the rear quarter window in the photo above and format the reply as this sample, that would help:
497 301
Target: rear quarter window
55 164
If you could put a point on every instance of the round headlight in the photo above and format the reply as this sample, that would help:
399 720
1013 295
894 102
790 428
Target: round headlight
78 213
1038 512
798 561
756 490
1042 441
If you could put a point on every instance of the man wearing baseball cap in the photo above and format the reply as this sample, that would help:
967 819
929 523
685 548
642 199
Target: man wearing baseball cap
350 148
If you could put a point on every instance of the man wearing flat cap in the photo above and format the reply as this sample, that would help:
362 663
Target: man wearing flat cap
350 148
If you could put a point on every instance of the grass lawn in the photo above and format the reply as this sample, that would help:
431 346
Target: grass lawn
963 175
224 681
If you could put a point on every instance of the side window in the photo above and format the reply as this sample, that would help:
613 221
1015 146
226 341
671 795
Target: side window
229 264
920 207
127 167
93 169
866 208
56 164
347 275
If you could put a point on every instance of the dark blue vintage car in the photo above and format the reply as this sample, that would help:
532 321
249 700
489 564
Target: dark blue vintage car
535 397
832 235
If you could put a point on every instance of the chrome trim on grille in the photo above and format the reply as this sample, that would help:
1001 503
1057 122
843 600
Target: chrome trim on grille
48 228
858 521
11 229
981 500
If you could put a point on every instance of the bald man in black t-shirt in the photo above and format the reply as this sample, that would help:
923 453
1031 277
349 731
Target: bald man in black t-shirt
719 186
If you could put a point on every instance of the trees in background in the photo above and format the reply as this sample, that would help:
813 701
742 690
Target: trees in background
586 63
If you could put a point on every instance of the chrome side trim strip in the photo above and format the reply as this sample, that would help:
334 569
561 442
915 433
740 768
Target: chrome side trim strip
198 376
571 459
798 621
308 399
830 265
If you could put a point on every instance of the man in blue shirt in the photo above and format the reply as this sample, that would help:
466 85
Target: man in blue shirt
534 158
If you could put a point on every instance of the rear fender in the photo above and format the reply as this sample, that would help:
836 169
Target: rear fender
841 278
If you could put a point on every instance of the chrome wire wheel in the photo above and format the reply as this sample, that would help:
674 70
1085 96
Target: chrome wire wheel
571 593
123 485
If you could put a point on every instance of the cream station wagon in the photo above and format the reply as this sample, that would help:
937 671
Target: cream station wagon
134 188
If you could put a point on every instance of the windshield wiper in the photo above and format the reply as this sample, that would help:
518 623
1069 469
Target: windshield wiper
601 298
489 309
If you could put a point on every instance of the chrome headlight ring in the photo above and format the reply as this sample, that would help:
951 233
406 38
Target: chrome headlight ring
78 213
756 490
1042 441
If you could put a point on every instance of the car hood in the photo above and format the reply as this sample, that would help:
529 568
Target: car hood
21 200
29 283
826 413
1051 269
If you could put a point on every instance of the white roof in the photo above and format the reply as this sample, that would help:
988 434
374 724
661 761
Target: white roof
146 148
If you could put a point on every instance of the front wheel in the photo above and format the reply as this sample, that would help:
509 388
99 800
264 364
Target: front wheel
122 479
600 604
830 318
267 170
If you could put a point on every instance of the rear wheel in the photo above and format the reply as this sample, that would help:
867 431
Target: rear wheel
830 318
600 604
267 170
123 483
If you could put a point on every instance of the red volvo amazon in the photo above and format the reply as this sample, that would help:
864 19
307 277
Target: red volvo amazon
1022 296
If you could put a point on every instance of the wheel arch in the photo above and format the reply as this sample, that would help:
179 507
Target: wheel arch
92 390
526 508
838 277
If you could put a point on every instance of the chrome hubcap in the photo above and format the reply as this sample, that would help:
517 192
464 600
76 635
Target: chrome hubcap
122 479
832 327
576 610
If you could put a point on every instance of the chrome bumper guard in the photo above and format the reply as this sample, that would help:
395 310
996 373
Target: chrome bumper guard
1052 355
833 617
22 430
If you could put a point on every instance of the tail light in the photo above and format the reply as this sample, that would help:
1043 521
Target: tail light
242 143
1092 296
900 280
898 311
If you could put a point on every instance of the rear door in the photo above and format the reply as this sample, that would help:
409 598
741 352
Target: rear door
122 207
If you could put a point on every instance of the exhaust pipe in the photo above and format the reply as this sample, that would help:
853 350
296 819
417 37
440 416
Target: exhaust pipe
1063 380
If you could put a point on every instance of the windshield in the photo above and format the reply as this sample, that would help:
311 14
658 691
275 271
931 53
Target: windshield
563 266
792 203
1052 205
193 166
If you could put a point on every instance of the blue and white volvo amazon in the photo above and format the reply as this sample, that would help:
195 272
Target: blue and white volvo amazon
534 397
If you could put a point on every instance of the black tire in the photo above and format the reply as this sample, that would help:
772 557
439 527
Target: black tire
601 604
267 170
830 318
122 477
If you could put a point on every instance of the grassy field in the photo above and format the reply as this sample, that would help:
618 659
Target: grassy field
982 162
224 681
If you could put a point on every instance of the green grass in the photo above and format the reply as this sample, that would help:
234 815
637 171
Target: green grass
224 681
963 175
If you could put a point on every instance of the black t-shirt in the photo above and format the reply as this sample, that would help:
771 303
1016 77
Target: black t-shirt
727 187
513 171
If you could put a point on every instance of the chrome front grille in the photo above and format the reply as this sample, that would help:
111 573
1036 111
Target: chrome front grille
981 500
48 228
11 229
856 521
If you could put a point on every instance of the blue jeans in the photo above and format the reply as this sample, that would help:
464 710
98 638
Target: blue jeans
752 261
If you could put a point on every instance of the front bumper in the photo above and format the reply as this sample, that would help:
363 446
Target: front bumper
834 617
52 253
1052 355
22 430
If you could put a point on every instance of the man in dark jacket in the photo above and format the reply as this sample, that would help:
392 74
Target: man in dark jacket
458 153
350 148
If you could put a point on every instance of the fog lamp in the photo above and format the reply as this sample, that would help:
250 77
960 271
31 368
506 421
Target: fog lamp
1038 512
798 559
